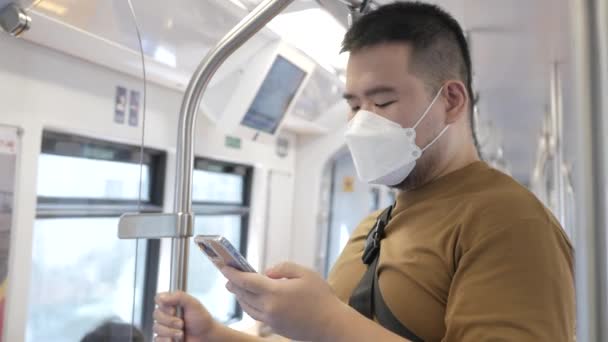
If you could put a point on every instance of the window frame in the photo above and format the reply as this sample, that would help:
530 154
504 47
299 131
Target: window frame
58 143
214 208
156 160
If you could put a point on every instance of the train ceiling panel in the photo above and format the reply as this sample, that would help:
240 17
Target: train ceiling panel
176 35
168 29
513 47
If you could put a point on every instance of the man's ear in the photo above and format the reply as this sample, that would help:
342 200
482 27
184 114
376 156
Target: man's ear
456 99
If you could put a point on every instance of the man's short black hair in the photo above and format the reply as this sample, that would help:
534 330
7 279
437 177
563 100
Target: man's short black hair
439 48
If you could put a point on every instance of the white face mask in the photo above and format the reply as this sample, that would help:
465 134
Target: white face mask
383 151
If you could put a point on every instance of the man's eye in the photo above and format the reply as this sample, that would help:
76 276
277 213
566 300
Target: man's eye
355 109
386 104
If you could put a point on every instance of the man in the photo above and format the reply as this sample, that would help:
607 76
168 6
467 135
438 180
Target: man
467 254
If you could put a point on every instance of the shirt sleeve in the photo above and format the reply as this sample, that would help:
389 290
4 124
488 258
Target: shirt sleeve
515 283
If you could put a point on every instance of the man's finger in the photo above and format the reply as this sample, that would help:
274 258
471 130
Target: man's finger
164 331
249 281
250 309
286 270
169 310
167 320
177 298
254 300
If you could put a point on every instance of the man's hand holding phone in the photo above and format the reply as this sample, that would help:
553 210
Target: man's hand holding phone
197 323
293 300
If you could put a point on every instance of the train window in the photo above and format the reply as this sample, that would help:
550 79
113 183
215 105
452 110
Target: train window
82 274
219 183
217 187
90 178
221 197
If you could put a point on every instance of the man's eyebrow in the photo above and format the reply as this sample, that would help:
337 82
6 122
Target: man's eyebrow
348 96
371 92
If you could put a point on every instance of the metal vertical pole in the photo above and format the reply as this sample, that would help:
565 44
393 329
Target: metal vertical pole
590 56
250 25
557 136
599 45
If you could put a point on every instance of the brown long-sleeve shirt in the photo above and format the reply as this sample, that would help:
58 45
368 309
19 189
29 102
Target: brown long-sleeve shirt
472 256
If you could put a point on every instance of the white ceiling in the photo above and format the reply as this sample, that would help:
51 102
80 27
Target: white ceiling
513 48
513 45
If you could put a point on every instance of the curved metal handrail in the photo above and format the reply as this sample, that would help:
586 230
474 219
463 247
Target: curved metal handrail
250 25
179 224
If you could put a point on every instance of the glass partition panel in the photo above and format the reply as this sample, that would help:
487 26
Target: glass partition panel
82 278
86 283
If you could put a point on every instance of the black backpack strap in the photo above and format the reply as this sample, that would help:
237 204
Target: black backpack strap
362 297
367 298
385 316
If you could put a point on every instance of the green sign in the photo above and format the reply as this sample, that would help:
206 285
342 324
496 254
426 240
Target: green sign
233 142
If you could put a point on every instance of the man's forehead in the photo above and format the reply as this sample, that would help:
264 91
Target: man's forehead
379 59
378 66
380 54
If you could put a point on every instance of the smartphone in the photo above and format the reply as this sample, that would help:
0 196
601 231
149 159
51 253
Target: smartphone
221 252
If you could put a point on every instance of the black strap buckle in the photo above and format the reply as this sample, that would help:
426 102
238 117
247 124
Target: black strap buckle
372 247
372 243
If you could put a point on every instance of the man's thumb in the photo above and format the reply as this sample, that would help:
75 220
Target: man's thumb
177 298
286 270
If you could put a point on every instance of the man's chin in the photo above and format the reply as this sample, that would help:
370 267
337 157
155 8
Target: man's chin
407 184
415 179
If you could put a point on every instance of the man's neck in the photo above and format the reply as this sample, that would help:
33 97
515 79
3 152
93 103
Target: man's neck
454 164
448 166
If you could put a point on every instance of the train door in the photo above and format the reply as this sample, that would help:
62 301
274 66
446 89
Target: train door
278 235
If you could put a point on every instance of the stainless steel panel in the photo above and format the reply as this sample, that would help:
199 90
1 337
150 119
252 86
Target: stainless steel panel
155 226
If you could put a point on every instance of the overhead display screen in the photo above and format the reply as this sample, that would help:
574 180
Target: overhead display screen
274 96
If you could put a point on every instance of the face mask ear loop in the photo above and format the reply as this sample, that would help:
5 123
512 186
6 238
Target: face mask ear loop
428 108
436 138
